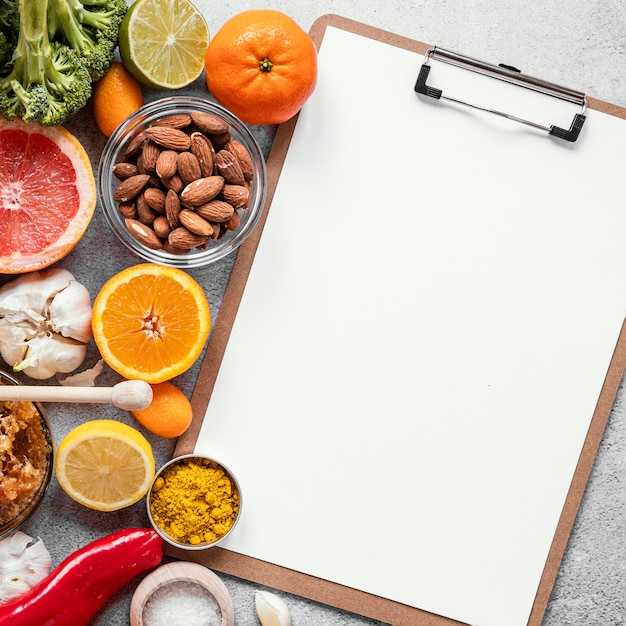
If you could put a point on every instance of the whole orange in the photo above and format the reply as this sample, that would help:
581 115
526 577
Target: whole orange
169 413
115 96
261 66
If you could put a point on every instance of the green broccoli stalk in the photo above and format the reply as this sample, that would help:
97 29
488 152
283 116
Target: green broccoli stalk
90 27
47 81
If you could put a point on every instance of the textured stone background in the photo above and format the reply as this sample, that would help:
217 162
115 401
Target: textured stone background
579 44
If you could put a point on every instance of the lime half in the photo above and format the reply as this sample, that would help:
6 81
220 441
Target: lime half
163 42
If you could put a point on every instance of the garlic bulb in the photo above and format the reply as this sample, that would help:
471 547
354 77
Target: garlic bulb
271 609
45 323
24 561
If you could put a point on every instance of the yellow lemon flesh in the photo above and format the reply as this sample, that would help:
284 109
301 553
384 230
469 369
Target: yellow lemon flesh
105 465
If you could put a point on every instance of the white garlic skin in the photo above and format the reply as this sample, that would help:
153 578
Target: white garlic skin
271 609
24 561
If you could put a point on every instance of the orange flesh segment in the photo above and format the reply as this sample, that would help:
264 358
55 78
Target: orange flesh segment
153 319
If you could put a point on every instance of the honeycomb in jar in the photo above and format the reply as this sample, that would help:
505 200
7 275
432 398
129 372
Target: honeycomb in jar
24 451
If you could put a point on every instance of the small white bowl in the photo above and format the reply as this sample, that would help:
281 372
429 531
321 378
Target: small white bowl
180 572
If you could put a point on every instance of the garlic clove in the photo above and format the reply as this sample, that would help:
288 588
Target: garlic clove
13 338
70 312
271 609
24 561
48 354
29 293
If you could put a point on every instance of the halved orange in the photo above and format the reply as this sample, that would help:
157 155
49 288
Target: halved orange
47 195
151 322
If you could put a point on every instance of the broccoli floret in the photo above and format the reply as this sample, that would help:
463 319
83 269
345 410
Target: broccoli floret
90 27
47 81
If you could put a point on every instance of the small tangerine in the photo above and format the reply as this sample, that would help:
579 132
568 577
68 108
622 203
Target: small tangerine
115 96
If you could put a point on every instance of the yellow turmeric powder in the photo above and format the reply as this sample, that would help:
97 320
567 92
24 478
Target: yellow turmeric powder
194 501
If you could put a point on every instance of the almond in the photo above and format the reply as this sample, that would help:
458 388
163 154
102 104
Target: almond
168 247
234 222
183 239
172 208
174 183
167 137
130 188
188 167
175 120
215 211
141 168
161 227
135 145
128 209
194 223
145 213
202 190
209 123
203 150
166 165
155 198
149 155
237 195
219 141
217 230
123 170
143 234
243 156
228 166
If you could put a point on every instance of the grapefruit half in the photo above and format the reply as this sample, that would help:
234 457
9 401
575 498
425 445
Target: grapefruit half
47 195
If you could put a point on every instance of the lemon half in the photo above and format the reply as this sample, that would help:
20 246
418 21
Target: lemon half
105 465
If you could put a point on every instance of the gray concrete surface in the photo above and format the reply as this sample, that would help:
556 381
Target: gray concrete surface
576 43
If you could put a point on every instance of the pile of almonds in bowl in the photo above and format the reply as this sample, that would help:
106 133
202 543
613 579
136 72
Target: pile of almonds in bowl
182 182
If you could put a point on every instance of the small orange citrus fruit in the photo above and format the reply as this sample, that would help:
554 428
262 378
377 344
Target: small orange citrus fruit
150 322
47 195
169 414
115 96
262 66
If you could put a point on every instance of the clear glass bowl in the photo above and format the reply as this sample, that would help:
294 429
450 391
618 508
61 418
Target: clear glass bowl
36 497
115 149
198 459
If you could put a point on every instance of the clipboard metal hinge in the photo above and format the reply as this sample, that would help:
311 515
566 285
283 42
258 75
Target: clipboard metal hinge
508 74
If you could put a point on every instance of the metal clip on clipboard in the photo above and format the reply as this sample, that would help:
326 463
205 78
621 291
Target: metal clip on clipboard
510 75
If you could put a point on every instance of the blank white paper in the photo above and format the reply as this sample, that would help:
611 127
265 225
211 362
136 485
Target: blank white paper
422 340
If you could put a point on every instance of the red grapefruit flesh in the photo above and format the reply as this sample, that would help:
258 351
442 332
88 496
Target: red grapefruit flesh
47 195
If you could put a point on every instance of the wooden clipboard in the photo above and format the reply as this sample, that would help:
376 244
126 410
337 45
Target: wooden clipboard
311 587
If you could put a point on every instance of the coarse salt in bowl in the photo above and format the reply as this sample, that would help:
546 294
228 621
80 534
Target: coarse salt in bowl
224 239
182 593
194 502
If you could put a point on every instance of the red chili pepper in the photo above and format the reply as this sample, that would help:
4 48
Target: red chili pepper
75 590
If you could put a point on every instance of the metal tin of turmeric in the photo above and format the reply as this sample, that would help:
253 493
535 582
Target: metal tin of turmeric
194 502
